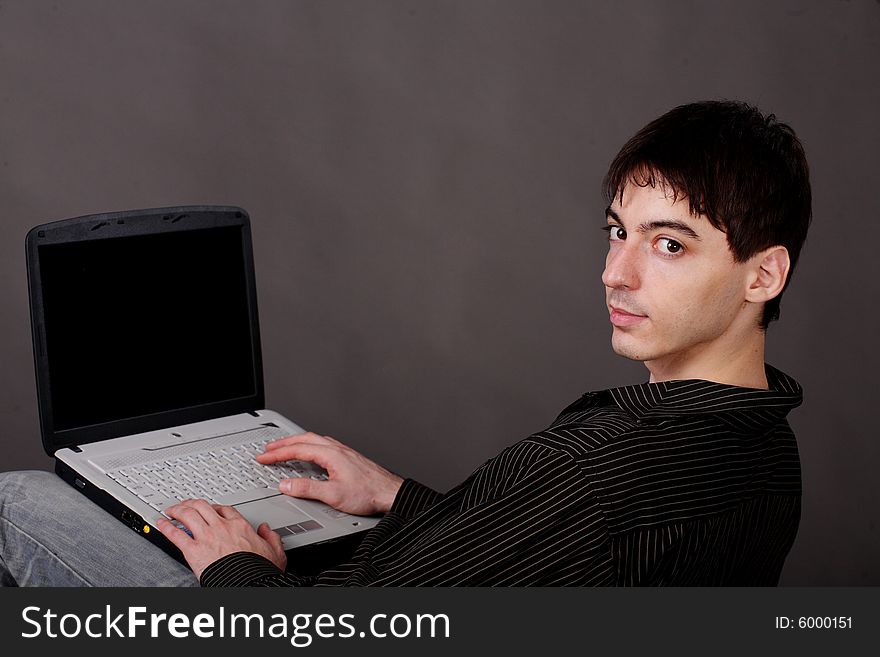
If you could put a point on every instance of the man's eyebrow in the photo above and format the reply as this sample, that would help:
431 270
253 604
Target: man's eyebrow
646 226
680 226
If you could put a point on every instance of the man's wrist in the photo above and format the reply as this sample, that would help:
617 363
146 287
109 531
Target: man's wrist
385 499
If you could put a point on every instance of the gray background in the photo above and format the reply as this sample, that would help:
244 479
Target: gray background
423 180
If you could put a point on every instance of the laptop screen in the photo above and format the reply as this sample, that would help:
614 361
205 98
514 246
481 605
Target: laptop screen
145 324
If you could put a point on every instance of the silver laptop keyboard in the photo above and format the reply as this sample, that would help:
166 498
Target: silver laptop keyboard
226 474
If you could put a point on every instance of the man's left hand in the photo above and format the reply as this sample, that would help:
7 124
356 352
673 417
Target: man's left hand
218 531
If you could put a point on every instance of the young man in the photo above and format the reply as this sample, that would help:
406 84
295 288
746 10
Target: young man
690 479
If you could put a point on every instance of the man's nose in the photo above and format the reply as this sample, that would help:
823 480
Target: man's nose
622 267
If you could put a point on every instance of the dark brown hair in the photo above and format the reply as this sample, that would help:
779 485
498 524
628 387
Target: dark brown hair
746 172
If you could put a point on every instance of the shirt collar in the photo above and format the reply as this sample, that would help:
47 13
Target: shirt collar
698 396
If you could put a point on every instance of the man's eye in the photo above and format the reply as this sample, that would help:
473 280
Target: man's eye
615 233
669 247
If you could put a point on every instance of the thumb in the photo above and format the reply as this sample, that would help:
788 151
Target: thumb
271 537
303 487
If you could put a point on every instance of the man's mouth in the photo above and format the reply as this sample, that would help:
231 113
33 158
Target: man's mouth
620 317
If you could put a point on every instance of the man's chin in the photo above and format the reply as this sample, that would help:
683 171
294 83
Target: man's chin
628 348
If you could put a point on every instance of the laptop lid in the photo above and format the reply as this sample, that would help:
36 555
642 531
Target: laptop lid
142 320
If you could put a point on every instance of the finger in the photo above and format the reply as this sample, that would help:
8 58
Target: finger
191 518
179 538
226 512
310 489
307 437
323 455
271 537
204 509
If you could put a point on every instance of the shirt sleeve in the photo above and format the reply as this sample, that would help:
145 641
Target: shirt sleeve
249 569
527 517
413 498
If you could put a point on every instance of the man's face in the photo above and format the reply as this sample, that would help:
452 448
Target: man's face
672 287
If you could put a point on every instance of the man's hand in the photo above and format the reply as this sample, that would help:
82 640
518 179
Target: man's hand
355 485
216 532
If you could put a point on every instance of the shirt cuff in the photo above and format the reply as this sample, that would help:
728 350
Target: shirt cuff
240 569
413 498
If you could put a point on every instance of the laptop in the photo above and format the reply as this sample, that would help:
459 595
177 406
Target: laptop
149 372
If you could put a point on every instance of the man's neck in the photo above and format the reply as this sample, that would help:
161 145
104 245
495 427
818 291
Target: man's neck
741 364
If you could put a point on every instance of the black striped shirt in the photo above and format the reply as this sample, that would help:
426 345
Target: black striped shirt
687 482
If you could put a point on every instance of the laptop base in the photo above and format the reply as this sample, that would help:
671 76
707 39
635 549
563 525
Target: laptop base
305 560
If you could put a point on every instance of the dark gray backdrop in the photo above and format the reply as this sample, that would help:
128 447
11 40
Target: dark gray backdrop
423 181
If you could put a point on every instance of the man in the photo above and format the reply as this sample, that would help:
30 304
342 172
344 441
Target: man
690 479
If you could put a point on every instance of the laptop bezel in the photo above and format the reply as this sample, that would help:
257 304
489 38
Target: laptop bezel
124 224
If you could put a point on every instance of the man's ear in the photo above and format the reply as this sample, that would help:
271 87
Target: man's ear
768 275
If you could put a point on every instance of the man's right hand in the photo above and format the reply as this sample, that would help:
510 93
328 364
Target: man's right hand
355 484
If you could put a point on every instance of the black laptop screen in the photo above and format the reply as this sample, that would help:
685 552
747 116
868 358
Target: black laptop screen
145 324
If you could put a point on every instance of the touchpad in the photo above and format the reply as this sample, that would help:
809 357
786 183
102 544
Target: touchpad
278 511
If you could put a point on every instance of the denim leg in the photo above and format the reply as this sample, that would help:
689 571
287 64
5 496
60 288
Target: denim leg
51 535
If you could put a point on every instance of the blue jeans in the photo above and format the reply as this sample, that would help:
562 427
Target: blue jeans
51 535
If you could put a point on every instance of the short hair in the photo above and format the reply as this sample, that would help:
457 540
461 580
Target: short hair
746 172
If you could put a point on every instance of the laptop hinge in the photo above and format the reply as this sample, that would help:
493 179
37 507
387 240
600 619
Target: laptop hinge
254 413
76 449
